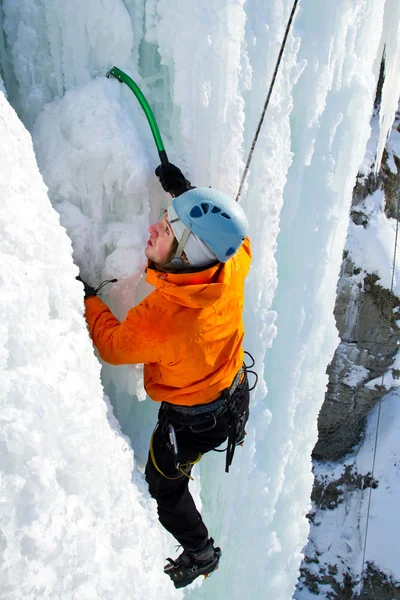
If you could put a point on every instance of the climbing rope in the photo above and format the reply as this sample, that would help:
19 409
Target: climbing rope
180 468
379 408
278 62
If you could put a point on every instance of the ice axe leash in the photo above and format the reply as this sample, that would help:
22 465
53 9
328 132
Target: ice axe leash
124 78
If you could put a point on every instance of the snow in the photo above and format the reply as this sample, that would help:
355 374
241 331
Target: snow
393 146
390 379
370 153
373 246
89 151
384 524
355 376
338 536
207 86
72 498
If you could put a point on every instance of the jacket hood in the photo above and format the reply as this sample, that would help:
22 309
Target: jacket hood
195 290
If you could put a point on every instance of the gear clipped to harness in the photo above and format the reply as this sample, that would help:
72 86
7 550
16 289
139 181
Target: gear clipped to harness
239 412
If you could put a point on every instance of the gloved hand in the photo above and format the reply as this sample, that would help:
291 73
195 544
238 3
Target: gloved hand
173 180
88 289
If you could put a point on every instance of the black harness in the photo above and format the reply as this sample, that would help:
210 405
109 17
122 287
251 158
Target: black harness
203 417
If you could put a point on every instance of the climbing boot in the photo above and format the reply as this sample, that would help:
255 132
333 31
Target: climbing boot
190 565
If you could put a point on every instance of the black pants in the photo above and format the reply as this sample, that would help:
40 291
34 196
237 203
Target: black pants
177 511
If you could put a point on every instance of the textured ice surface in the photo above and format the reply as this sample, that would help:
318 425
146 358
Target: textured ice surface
206 68
56 46
76 520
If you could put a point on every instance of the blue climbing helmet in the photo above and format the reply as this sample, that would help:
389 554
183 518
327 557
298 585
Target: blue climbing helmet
213 217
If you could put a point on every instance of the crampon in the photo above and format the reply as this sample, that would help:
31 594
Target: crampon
190 565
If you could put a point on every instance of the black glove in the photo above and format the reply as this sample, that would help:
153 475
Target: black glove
88 289
173 180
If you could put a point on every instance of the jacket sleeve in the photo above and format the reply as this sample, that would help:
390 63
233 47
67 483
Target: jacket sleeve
138 339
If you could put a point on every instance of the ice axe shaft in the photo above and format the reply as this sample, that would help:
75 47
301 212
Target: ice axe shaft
124 78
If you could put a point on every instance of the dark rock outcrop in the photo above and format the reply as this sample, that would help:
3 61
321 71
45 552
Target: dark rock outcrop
369 335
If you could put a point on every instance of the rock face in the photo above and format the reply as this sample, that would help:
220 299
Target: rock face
377 585
368 318
369 341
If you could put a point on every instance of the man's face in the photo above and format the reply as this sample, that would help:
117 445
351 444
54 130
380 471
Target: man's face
160 240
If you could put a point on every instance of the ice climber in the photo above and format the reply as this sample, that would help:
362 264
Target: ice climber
188 333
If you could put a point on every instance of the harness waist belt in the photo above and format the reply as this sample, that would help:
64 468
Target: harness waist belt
213 406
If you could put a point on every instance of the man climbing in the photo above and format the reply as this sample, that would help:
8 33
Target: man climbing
189 334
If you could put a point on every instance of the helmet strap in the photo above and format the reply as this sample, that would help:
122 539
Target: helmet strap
182 243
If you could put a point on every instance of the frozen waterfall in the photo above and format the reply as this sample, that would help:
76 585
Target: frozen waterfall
77 521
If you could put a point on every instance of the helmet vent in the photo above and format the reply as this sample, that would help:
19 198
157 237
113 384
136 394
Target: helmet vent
225 216
195 213
215 209
230 251
205 207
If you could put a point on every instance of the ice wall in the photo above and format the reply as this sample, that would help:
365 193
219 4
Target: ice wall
55 46
75 519
390 94
206 68
329 131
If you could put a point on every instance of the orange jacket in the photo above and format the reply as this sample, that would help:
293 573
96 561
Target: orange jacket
188 332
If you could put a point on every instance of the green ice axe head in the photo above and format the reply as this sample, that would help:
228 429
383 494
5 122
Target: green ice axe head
124 78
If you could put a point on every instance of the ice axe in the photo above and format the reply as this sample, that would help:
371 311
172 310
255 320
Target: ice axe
124 78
